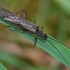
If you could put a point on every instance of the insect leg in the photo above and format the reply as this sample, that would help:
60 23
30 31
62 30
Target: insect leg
9 26
42 28
34 21
12 25
36 36
23 29
35 41
24 11
6 26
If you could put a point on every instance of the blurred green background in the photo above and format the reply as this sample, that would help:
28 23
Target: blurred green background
16 52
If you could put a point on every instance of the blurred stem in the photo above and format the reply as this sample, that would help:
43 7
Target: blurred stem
64 5
63 28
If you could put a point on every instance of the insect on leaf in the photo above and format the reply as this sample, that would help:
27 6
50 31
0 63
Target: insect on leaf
51 45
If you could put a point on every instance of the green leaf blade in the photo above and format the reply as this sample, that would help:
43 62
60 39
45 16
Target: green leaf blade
2 67
60 51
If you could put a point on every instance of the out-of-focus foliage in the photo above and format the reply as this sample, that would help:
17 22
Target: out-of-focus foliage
17 52
2 67
50 45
